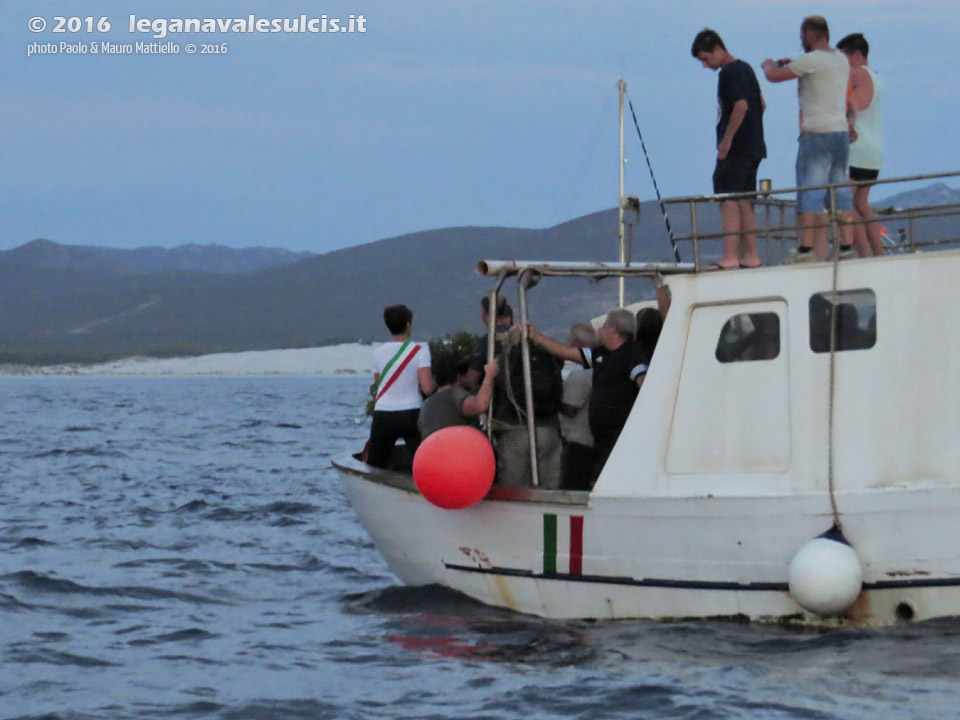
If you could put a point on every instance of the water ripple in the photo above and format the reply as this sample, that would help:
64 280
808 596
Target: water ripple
52 657
44 584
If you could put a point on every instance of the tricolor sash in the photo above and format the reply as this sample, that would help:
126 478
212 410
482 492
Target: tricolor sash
384 386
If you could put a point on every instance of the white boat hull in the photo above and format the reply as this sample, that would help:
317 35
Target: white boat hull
662 558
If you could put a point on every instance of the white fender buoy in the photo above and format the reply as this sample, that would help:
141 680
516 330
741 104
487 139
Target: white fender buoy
825 574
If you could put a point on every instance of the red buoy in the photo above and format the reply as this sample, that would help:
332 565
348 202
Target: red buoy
454 467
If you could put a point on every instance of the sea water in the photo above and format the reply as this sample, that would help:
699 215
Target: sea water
182 548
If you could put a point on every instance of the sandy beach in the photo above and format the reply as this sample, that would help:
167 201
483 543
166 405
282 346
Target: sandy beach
333 361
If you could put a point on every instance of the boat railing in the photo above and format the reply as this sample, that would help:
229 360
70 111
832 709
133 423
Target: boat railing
778 231
905 230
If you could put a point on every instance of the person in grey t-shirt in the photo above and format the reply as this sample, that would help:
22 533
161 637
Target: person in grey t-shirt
451 404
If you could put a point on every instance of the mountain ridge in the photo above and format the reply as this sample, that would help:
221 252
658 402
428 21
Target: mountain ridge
937 194
77 304
189 257
91 310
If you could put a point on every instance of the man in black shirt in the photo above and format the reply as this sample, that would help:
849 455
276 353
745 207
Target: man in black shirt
740 147
619 367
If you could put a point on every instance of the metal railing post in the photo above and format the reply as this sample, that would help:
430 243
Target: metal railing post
834 223
491 351
523 279
781 232
767 239
693 235
492 340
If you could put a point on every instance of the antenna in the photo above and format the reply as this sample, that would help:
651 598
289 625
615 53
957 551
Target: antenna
622 86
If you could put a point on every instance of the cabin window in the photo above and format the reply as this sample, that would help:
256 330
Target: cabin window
749 337
854 314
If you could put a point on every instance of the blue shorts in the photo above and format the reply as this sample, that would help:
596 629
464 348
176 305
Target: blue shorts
823 159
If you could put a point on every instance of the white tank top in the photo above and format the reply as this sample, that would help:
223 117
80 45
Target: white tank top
867 151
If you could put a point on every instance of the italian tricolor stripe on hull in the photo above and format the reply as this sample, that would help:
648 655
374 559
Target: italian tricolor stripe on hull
566 532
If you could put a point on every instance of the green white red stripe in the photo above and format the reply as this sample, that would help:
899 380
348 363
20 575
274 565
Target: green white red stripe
564 531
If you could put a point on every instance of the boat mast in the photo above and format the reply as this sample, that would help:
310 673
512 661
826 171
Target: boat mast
622 86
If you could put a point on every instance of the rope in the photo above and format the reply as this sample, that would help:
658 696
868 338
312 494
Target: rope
507 344
835 231
663 208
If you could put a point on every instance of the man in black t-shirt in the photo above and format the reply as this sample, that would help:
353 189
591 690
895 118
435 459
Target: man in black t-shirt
740 147
619 368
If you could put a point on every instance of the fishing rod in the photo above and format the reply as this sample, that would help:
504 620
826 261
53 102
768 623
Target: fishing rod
663 208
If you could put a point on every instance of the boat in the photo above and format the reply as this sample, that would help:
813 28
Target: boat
792 455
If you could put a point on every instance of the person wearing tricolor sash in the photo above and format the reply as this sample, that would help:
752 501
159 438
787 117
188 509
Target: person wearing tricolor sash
401 370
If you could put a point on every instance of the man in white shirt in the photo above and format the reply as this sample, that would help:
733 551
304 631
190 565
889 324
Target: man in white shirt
577 457
401 369
827 118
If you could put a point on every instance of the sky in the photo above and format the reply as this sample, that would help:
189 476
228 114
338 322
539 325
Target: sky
440 113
